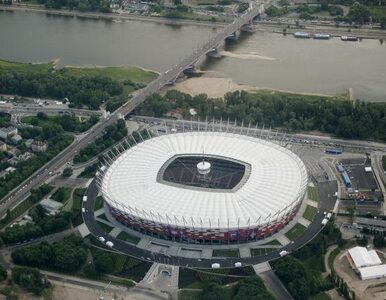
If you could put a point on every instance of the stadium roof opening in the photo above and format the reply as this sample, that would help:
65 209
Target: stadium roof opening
184 171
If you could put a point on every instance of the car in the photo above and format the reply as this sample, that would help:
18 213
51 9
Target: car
283 253
109 244
102 239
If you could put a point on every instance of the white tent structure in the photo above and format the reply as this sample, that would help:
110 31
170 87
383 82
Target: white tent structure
364 258
372 272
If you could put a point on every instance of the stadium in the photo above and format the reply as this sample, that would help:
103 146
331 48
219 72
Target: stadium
203 186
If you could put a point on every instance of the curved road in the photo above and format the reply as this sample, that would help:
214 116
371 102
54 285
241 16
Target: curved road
327 200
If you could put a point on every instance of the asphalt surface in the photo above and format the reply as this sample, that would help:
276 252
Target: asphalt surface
20 192
182 125
326 191
274 284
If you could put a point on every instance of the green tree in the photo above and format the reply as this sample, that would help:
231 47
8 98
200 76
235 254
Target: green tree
359 13
379 240
104 262
67 172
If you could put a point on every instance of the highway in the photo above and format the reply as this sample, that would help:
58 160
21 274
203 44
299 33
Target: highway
326 191
19 193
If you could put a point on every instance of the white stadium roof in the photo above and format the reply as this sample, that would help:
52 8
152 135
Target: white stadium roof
277 180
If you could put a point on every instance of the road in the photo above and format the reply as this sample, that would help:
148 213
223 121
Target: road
19 193
330 142
326 191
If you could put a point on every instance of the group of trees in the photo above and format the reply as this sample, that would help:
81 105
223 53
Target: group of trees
301 271
67 255
245 289
30 279
358 120
57 141
82 5
82 91
43 224
67 122
112 134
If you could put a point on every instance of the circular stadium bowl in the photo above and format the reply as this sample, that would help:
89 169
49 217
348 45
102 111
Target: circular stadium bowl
245 189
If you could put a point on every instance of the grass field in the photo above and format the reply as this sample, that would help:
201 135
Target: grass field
24 67
378 12
332 257
77 206
310 213
117 73
98 203
106 228
189 295
312 193
124 236
295 231
226 253
273 242
261 251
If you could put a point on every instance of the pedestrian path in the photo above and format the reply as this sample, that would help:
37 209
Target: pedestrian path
304 222
283 240
262 267
245 252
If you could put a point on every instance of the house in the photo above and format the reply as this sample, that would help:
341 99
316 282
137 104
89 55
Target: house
16 138
3 146
7 132
39 146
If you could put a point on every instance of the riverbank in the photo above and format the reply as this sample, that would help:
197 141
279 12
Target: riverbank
113 17
217 87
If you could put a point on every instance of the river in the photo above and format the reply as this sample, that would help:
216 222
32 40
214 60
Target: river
260 59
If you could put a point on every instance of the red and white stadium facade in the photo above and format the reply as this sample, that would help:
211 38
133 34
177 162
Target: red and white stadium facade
267 198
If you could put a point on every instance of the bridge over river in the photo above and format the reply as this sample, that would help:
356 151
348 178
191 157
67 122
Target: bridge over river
19 193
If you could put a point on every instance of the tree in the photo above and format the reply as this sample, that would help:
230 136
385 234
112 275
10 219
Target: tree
359 13
67 172
30 279
379 240
3 273
211 290
104 262
362 241
251 288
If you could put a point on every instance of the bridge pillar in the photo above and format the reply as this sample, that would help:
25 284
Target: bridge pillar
231 38
213 53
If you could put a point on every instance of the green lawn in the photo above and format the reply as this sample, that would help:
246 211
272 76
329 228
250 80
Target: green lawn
203 2
98 203
76 208
122 73
226 253
106 228
295 231
124 236
261 251
378 12
25 67
332 257
103 217
310 213
312 193
189 295
320 296
273 242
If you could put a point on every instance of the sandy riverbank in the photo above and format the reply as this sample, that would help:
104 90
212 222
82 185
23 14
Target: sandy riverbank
216 87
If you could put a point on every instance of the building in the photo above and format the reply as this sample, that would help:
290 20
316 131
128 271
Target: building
7 132
362 257
39 146
373 272
204 187
367 263
16 138
3 146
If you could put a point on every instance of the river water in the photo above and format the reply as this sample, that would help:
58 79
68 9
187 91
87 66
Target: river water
260 59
